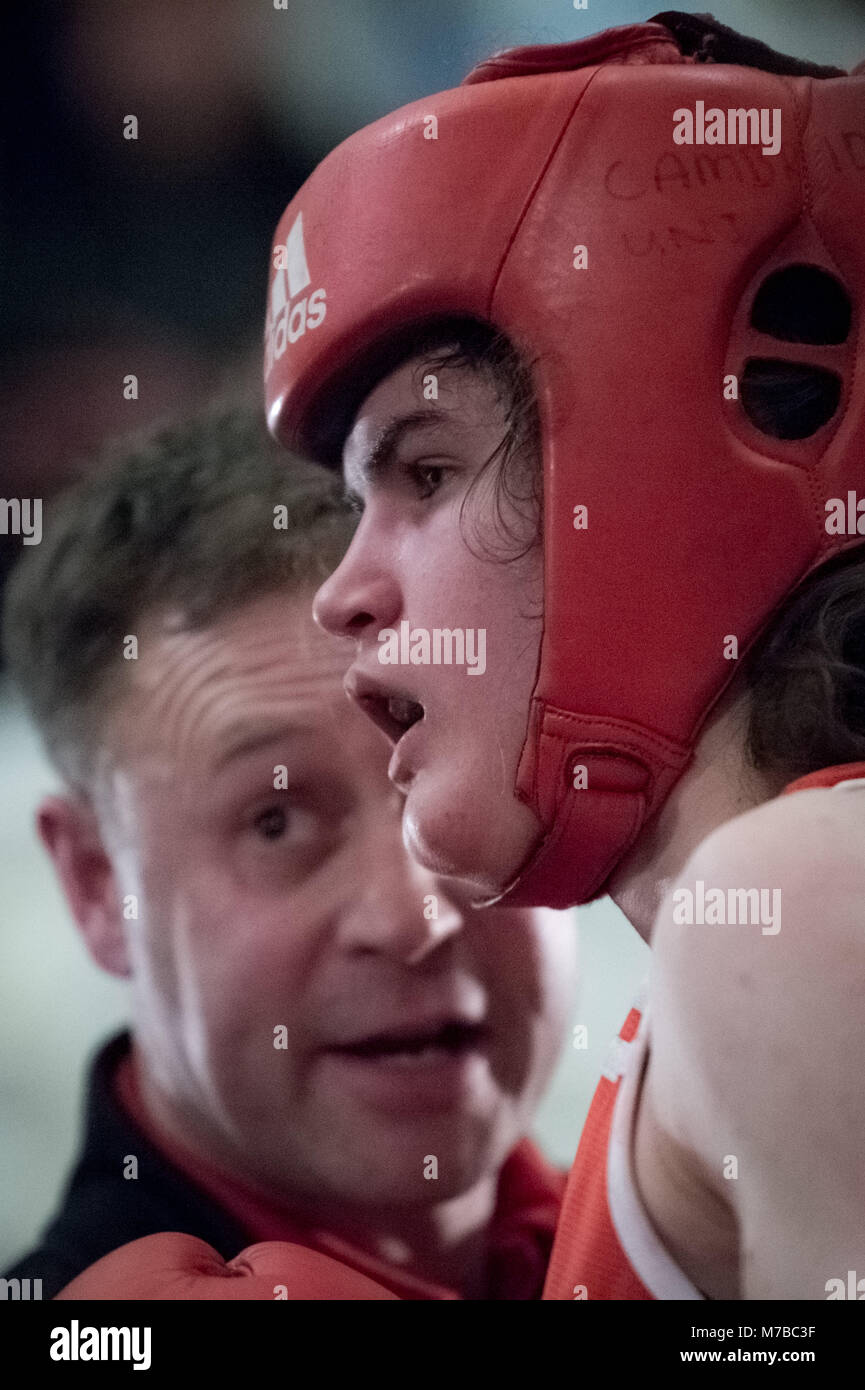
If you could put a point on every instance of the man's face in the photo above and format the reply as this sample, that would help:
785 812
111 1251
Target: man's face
417 558
312 1005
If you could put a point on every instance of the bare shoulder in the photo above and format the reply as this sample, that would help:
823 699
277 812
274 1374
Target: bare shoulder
809 848
825 821
769 907
758 972
758 1028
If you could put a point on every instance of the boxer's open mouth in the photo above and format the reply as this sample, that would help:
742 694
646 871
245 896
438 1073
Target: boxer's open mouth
394 712
404 712
450 1039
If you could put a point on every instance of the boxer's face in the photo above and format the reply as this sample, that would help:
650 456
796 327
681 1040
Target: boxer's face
415 561
311 1003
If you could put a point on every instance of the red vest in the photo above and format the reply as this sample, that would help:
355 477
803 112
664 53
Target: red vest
605 1246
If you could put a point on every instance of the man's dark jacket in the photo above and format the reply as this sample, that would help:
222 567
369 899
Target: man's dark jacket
102 1210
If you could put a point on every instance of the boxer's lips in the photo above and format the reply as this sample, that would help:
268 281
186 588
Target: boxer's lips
393 711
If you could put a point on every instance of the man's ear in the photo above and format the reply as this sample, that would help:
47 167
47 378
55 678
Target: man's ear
69 830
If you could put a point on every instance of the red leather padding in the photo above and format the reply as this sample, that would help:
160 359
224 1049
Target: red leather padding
699 524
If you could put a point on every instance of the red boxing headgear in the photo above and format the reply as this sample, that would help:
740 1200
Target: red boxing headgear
586 200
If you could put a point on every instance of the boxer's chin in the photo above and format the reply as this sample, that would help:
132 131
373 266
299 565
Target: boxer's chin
481 846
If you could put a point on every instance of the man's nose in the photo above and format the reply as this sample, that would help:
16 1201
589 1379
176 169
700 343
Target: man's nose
399 909
361 595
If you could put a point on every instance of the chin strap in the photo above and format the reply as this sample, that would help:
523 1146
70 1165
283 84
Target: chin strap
702 38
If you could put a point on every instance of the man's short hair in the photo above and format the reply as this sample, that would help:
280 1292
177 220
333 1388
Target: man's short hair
197 519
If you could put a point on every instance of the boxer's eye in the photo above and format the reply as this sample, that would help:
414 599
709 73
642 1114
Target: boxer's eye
425 478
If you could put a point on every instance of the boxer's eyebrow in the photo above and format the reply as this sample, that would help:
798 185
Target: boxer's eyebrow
380 456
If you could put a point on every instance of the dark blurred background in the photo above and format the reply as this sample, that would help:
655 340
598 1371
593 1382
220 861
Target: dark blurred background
149 257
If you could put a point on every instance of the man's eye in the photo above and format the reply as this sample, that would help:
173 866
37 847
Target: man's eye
271 823
294 826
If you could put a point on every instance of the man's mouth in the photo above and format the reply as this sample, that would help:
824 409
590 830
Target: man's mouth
393 711
418 1048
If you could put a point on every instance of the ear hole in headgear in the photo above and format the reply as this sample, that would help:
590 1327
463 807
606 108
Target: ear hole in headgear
788 400
803 304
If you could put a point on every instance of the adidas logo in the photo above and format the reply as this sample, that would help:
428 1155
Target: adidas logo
290 317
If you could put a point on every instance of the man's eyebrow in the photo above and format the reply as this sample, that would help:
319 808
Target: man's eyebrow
380 455
252 740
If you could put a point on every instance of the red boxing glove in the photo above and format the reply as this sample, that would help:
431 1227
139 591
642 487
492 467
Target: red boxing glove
182 1267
